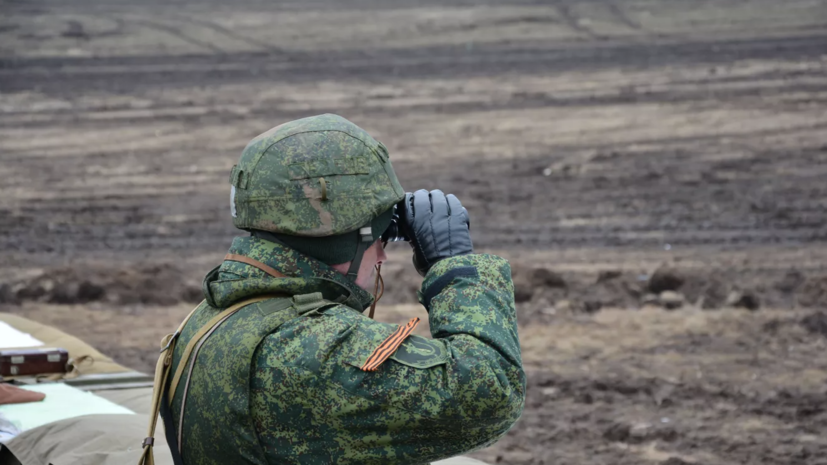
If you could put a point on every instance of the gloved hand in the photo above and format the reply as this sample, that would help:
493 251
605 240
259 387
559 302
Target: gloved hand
438 227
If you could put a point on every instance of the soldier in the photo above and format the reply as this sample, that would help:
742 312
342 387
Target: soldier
279 365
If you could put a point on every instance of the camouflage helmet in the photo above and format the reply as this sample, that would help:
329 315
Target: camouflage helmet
311 178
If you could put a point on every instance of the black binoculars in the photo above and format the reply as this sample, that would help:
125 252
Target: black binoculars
396 231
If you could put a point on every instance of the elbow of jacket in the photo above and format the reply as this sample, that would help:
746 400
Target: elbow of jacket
500 418
512 388
512 406
506 403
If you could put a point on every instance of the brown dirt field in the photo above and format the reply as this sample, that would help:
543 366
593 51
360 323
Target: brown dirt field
608 148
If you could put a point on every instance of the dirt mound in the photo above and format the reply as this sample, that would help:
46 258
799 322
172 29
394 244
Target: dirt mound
813 292
529 281
677 461
815 323
665 279
744 299
541 292
162 284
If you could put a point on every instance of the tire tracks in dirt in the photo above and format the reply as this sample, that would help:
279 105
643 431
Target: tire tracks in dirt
264 46
427 28
155 25
576 23
101 73
623 17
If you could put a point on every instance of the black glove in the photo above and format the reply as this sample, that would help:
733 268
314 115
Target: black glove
438 227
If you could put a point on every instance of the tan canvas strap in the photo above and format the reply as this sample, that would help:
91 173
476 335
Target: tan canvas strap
161 373
256 264
189 378
201 332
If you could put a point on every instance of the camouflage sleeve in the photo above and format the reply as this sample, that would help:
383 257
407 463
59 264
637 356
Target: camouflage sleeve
470 300
474 295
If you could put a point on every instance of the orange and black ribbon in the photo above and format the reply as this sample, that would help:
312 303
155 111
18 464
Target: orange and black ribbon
389 346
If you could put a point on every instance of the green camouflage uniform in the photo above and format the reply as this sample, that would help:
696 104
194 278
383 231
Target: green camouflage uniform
281 381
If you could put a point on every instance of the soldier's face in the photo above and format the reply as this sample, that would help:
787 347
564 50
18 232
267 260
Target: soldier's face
374 255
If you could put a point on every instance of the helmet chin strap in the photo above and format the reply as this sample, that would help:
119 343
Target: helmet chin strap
378 290
365 241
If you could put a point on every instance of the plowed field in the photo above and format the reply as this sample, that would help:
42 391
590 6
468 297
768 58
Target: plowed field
593 142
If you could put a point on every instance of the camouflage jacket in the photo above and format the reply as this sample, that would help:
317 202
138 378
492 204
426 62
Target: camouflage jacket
289 384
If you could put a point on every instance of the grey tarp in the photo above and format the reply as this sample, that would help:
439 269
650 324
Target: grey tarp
94 439
88 440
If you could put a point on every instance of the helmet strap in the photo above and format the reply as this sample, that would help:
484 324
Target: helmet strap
378 290
365 241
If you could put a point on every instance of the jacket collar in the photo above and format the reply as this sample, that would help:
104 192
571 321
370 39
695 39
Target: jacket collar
234 281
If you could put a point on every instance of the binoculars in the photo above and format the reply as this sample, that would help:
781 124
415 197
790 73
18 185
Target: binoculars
396 231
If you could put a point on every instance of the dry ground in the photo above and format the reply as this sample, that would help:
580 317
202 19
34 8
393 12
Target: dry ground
592 140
